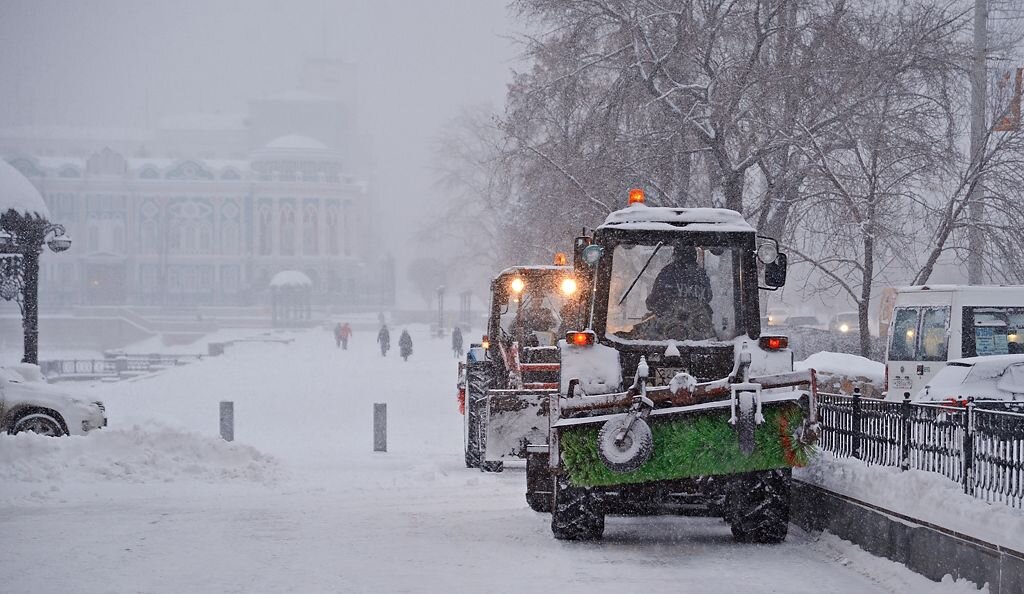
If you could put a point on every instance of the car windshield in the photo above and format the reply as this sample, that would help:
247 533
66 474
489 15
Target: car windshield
660 292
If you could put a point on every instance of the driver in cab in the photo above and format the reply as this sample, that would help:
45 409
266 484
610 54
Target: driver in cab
532 318
680 300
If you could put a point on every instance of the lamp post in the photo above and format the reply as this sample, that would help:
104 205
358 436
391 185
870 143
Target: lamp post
22 236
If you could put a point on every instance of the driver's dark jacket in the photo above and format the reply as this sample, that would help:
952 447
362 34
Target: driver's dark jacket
679 282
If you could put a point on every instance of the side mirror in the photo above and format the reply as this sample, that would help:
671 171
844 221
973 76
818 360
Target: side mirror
775 272
592 254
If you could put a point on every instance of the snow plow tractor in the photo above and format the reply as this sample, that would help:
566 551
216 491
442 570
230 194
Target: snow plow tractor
670 400
506 381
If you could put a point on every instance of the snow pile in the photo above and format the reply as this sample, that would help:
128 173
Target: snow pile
843 364
924 496
848 555
135 455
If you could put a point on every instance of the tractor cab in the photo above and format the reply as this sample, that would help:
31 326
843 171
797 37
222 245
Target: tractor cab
532 307
679 287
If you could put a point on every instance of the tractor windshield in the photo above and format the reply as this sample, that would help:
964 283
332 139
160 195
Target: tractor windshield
535 311
683 292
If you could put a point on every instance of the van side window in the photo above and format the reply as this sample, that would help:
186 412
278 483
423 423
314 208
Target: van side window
991 330
934 337
904 335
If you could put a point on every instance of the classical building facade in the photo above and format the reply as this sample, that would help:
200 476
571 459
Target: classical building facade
204 231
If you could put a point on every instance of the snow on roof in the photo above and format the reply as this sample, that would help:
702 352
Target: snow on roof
290 278
538 267
990 361
18 194
663 218
295 141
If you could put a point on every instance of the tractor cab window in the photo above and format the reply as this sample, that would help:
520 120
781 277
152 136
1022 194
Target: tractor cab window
533 316
660 292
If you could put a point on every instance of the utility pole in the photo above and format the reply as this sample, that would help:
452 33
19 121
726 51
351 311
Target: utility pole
979 81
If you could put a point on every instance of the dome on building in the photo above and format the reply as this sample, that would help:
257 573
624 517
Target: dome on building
18 194
295 141
290 278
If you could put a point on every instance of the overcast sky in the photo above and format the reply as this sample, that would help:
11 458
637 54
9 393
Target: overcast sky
128 62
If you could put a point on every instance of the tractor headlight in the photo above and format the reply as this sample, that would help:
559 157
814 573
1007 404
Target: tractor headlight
568 286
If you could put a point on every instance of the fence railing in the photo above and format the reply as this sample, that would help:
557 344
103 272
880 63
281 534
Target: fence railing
974 443
113 366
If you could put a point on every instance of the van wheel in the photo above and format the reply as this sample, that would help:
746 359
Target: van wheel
39 423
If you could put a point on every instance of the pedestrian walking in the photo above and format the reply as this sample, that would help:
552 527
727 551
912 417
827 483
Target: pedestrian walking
345 333
337 335
405 345
384 340
457 342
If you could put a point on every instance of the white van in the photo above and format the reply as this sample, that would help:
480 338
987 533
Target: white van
934 324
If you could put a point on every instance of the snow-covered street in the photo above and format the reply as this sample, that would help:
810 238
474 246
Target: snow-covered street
157 503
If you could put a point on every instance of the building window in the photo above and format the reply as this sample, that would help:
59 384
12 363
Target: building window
287 229
266 231
94 238
230 238
310 230
332 230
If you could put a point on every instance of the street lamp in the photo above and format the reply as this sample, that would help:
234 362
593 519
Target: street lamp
22 236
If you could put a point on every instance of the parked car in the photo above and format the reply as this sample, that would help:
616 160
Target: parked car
845 322
996 377
28 403
804 322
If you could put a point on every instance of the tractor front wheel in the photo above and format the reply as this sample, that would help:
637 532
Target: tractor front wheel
758 507
574 513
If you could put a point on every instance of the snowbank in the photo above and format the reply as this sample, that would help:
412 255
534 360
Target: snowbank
924 496
843 364
134 455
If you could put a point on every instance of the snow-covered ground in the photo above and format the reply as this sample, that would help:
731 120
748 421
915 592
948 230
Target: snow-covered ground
299 502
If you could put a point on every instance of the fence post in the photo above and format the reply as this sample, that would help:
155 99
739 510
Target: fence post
227 420
855 435
905 438
968 448
380 427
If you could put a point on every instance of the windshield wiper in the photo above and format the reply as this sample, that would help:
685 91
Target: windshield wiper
642 270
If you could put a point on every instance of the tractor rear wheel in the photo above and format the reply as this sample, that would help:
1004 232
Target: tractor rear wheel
538 483
478 380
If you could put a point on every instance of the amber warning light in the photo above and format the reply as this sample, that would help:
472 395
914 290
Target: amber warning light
585 338
560 259
485 342
773 343
636 196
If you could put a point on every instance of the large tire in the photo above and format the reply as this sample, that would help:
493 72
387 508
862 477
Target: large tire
574 513
538 483
478 380
758 507
38 422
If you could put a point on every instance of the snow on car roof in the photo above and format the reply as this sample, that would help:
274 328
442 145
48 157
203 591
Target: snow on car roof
996 361
664 218
970 288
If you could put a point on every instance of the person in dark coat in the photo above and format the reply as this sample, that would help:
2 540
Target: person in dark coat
405 345
337 334
457 342
680 300
384 340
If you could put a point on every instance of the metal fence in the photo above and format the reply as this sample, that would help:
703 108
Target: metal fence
111 367
978 444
